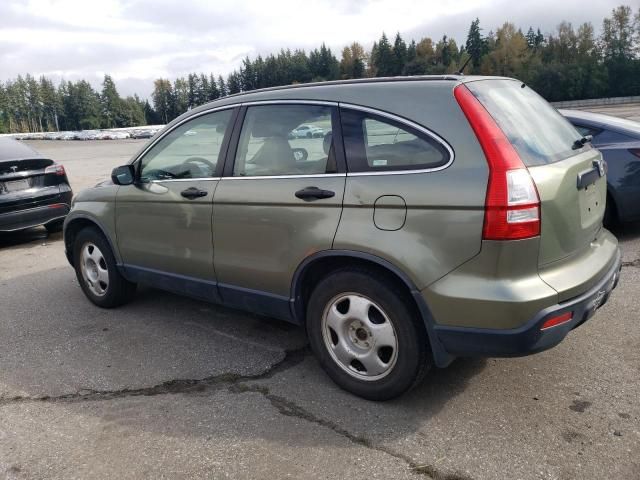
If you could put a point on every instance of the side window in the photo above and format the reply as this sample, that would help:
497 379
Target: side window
376 143
285 140
609 136
188 151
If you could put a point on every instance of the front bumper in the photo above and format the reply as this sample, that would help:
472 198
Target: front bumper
33 217
530 338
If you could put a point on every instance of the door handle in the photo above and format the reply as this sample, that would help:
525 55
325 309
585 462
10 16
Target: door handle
314 193
193 192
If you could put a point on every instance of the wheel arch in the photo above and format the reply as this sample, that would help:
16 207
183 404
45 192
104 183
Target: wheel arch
320 264
74 225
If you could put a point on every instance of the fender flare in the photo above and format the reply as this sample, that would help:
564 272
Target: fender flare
441 357
83 216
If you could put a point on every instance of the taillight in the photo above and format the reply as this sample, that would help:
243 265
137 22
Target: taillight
56 169
635 151
512 204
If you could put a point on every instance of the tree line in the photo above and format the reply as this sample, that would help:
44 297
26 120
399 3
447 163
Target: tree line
568 64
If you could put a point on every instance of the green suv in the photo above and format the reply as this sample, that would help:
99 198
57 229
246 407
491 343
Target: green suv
435 217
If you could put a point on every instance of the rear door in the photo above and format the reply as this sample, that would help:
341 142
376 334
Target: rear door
570 178
279 202
163 221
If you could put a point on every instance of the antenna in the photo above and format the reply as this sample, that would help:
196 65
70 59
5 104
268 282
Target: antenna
464 65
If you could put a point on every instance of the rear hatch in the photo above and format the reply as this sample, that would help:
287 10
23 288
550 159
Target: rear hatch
569 177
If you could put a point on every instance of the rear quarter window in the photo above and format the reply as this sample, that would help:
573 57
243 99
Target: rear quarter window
536 130
376 143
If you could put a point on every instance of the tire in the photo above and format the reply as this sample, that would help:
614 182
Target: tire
387 352
54 227
309 135
96 270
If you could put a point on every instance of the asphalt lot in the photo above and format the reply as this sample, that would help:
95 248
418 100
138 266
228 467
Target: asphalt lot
176 388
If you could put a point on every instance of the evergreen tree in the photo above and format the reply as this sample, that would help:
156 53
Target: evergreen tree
213 92
193 90
399 55
163 99
476 45
222 86
383 58
111 104
234 83
202 92
150 115
300 70
531 38
248 77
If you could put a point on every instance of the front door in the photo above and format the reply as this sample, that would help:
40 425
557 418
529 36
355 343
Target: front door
163 221
279 202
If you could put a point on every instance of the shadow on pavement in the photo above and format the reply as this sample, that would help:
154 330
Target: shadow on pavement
626 231
29 237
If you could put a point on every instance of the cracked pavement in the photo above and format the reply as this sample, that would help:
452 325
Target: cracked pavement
172 387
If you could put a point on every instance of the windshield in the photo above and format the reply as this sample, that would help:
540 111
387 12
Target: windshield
536 130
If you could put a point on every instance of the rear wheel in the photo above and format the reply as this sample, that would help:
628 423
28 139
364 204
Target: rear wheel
96 270
366 335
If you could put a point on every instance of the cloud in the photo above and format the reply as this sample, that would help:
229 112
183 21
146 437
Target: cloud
137 41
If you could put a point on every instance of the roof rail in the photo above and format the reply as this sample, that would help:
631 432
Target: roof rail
415 78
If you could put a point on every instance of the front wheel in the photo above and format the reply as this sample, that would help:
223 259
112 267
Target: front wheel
97 272
366 335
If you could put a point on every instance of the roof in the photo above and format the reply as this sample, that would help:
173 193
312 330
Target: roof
12 149
395 95
330 90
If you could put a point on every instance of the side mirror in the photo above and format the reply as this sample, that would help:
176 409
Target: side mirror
123 175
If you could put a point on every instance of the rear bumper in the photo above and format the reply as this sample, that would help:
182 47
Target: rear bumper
33 217
529 338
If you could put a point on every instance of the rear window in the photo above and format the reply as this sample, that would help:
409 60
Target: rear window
536 130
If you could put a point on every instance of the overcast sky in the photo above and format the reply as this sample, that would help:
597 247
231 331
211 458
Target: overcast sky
137 41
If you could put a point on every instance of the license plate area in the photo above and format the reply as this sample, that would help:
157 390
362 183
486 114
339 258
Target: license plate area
592 203
16 185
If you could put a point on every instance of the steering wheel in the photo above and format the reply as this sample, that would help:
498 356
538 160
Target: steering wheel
201 160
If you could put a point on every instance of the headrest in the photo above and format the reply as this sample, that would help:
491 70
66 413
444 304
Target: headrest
268 129
326 143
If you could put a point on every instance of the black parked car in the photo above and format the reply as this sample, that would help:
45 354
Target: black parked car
619 141
34 190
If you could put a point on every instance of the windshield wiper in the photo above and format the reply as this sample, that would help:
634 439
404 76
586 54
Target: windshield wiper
581 141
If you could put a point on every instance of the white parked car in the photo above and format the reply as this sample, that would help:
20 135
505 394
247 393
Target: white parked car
306 131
